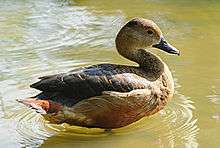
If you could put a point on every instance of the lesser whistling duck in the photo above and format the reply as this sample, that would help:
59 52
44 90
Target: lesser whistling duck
109 95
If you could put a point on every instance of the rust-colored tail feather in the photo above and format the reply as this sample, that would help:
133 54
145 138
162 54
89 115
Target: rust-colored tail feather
41 106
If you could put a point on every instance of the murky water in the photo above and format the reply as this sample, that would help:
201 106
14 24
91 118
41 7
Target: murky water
51 36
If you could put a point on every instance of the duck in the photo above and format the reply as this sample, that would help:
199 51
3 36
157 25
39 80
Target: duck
110 96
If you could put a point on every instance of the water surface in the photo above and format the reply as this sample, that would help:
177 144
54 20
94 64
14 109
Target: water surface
51 36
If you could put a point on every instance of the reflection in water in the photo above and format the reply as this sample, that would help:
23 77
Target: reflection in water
30 128
45 37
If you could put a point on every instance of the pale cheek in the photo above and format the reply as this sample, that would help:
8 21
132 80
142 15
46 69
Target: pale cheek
155 41
148 42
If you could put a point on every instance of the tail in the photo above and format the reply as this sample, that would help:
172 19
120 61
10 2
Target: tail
41 106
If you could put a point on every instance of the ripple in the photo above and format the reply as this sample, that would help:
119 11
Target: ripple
23 126
31 128
52 28
215 96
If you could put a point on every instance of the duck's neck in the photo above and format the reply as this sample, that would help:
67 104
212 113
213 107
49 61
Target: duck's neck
146 60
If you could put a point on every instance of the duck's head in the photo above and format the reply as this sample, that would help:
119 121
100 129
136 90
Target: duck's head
142 33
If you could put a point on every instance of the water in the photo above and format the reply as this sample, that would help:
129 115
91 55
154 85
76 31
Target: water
51 36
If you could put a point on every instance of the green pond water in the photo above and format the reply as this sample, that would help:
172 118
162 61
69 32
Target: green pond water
41 37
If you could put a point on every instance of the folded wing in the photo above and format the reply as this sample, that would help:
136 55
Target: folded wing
76 85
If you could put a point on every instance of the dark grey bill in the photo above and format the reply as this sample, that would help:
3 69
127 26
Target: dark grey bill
163 45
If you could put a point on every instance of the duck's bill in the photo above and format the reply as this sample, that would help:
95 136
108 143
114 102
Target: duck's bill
163 45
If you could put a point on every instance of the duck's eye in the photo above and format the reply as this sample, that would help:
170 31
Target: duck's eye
149 32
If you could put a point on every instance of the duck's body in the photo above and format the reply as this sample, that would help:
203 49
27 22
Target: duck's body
106 95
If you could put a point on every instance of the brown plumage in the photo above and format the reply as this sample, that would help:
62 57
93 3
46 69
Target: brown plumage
109 95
